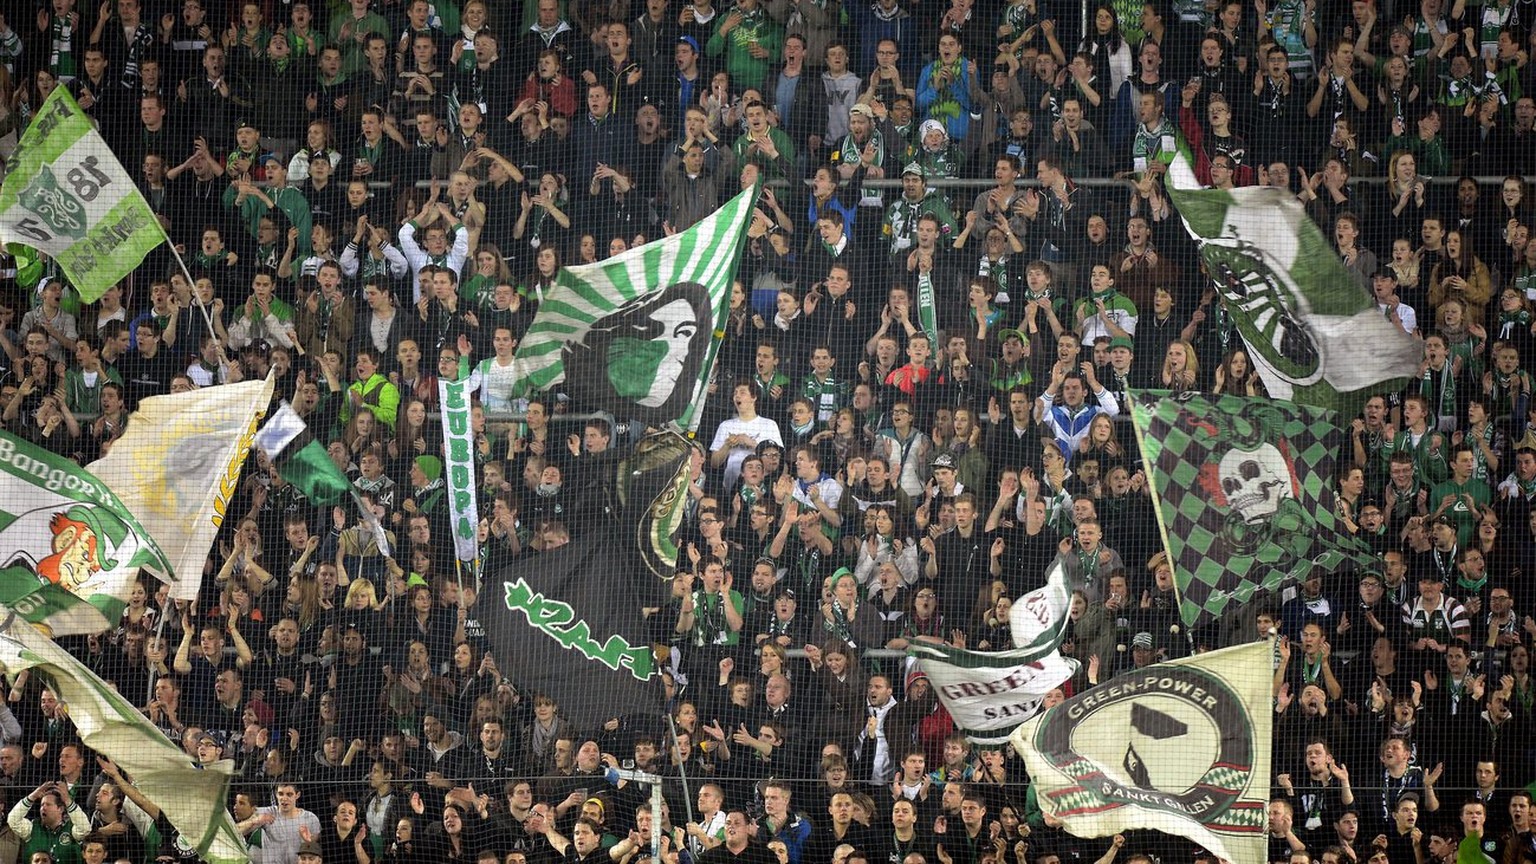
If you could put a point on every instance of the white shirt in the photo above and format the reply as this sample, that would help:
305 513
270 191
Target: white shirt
759 429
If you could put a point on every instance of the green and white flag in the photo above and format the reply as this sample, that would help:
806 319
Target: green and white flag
65 194
459 467
69 547
636 335
1314 335
991 692
1243 491
1179 747
301 460
190 796
178 467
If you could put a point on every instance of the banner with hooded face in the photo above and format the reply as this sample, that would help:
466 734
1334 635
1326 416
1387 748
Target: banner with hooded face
636 335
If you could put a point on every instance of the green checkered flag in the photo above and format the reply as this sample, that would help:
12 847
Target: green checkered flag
636 335
1242 493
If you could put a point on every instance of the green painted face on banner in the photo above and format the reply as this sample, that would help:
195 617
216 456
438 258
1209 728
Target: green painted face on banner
647 370
642 360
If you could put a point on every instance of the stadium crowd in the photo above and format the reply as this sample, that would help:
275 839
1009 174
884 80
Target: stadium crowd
368 195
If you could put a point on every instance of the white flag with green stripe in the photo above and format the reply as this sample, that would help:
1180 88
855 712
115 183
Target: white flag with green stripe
636 335
989 693
65 194
1315 336
69 547
192 797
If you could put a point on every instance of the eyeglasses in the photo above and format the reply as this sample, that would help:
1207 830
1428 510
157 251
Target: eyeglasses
926 595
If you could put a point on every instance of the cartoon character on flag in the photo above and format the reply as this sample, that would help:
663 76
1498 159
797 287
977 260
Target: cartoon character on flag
84 540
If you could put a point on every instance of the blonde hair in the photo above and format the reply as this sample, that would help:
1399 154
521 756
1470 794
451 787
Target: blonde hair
360 587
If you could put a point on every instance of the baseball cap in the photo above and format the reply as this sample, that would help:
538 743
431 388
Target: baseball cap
862 109
1142 640
1010 333
1121 342
943 460
690 42
913 168
310 847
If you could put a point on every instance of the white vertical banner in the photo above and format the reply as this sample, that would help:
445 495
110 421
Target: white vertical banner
459 467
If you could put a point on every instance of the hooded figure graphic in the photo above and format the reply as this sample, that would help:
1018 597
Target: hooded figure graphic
642 360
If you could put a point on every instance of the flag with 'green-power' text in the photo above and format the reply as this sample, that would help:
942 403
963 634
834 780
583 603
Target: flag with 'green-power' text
1179 747
636 335
1313 333
65 194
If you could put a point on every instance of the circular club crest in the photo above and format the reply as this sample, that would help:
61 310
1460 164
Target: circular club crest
1170 738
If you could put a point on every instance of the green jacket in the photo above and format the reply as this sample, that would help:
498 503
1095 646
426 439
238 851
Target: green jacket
62 842
287 199
378 395
755 29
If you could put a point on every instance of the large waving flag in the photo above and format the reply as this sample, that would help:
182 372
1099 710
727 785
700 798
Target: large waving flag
70 549
178 465
1312 333
567 621
1179 747
68 196
636 335
1243 492
190 796
989 693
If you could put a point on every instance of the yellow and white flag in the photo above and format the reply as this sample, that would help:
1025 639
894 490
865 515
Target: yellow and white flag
178 465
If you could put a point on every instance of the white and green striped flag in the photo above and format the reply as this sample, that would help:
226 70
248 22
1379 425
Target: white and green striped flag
69 547
636 335
66 195
991 692
1315 336
191 797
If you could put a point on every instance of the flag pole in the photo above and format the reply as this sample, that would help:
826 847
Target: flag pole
682 769
202 307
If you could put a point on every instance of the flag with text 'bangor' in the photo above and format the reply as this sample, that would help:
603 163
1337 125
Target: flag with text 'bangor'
178 465
1243 492
566 622
190 796
1313 333
65 194
991 692
70 549
1179 747
636 335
